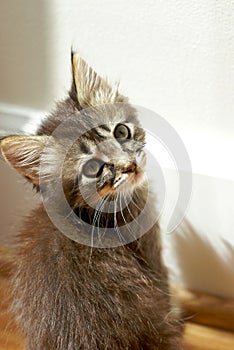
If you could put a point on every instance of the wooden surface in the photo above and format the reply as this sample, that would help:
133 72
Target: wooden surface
10 338
210 318
207 309
197 337
200 337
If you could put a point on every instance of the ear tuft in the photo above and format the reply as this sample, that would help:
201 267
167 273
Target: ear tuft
23 154
91 89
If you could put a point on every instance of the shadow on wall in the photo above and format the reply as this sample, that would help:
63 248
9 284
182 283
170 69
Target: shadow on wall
25 43
201 265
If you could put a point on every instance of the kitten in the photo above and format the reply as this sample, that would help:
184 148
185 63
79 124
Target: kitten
94 281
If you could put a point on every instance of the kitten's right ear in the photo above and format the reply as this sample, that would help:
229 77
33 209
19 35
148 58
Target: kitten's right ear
23 153
90 89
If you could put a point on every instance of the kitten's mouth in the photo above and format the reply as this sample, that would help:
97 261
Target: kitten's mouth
120 181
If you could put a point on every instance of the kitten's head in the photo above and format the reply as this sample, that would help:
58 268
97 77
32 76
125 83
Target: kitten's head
93 142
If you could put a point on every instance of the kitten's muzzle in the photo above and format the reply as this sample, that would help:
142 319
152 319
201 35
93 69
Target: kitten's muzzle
124 168
116 171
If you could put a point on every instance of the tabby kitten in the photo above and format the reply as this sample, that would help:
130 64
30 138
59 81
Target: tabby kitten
87 276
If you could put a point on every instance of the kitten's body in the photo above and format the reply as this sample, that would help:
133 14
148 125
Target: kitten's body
70 296
113 299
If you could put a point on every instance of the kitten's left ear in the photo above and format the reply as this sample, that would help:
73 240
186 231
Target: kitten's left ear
90 88
23 153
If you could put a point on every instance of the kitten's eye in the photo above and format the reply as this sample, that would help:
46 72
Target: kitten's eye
92 167
122 132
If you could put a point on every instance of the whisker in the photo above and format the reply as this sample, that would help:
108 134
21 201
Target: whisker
126 223
93 227
107 216
99 217
130 213
122 239
134 203
127 207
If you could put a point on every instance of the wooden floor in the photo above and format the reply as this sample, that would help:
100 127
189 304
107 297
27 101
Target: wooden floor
210 324
197 336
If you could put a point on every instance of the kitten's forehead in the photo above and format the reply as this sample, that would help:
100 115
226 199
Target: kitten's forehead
108 114
101 143
109 150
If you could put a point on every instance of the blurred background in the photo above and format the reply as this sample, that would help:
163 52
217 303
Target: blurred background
173 57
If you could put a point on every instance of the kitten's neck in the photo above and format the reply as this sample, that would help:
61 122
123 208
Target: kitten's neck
116 211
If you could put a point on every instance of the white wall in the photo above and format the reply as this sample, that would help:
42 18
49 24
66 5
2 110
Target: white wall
174 57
